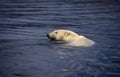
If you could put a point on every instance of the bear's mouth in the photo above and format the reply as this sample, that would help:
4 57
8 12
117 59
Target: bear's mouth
52 39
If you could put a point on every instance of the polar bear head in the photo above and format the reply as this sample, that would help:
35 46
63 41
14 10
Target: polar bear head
62 35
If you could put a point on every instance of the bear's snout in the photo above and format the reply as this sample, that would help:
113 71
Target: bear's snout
50 37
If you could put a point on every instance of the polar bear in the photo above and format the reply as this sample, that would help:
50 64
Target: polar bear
70 37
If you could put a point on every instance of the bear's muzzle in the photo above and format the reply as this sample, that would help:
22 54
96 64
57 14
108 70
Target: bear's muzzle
51 38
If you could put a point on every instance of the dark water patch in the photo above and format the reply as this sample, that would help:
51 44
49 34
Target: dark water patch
21 75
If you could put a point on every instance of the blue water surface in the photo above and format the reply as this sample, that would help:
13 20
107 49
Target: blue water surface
25 51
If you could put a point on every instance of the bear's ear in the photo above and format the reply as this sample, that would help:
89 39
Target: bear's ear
67 33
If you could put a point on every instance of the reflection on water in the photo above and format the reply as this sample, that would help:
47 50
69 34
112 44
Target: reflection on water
25 51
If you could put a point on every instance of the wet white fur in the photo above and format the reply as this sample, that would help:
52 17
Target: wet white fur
71 38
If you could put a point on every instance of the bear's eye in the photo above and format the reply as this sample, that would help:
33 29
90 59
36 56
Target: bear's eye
56 32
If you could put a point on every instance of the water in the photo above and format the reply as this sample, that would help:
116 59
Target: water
25 51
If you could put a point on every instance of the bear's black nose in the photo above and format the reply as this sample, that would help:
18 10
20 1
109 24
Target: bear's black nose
48 35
